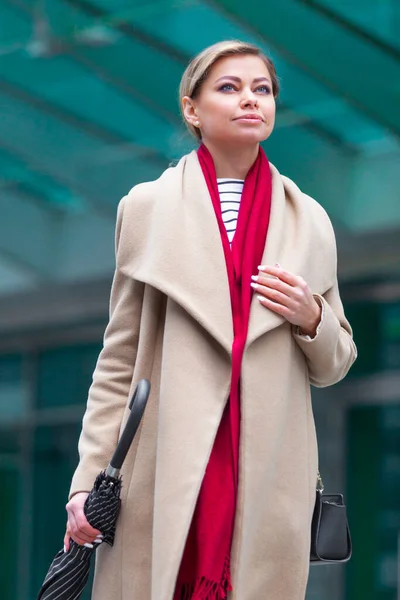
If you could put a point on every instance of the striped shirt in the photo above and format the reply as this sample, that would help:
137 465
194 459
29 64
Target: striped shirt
230 193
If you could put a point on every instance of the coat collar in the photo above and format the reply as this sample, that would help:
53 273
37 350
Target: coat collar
177 248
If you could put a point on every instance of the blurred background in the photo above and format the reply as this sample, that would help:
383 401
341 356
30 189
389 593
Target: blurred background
88 108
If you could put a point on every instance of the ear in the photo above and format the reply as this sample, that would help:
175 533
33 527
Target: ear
189 111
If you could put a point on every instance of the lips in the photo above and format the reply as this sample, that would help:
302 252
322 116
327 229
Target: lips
249 117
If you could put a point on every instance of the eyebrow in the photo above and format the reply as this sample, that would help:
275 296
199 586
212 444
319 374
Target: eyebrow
234 78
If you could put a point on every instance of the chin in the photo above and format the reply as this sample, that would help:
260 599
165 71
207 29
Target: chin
239 138
249 138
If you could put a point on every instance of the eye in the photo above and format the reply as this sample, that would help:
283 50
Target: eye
227 87
264 89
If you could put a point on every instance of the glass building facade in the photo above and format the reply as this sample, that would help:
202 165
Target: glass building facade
88 109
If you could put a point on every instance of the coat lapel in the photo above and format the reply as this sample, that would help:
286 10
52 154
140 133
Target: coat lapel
177 246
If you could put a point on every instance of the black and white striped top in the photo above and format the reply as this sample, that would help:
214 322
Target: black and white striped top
230 193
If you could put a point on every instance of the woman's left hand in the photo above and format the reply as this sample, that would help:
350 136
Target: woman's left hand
289 296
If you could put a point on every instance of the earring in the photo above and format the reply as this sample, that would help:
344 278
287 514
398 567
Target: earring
197 123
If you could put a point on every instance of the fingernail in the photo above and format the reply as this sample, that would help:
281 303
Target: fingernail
100 535
88 545
261 267
260 298
65 548
97 541
254 277
254 285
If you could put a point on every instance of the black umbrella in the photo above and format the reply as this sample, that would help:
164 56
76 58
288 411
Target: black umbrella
69 571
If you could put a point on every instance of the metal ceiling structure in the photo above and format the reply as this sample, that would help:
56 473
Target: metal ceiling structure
88 108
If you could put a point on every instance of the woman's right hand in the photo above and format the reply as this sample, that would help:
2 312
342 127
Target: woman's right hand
78 527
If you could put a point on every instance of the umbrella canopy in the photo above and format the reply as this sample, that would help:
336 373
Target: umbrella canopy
69 571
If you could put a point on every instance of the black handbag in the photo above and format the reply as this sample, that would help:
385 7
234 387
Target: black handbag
330 534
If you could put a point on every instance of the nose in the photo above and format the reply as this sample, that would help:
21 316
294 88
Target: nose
249 99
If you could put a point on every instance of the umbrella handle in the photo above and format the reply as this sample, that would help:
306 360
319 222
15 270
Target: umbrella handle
137 406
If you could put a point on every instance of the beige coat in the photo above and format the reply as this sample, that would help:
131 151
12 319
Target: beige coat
171 322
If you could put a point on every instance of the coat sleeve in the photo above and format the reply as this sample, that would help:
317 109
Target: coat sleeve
332 351
112 377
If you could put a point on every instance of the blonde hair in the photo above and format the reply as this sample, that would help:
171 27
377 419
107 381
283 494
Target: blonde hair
200 66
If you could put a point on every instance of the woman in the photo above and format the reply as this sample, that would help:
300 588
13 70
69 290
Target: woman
231 314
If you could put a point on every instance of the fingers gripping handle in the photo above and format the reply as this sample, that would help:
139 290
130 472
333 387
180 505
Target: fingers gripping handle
137 406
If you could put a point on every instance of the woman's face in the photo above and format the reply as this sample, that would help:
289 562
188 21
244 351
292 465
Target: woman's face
235 104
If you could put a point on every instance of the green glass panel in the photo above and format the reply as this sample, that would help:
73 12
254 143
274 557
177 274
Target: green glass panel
9 442
16 31
376 329
64 82
363 501
13 392
373 501
64 375
23 125
390 351
40 186
119 5
365 320
379 19
9 526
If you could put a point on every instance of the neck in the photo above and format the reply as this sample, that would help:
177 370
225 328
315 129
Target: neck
232 163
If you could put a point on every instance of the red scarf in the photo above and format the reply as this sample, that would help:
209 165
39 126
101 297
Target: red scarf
205 568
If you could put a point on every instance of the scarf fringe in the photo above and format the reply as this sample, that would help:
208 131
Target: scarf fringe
204 589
